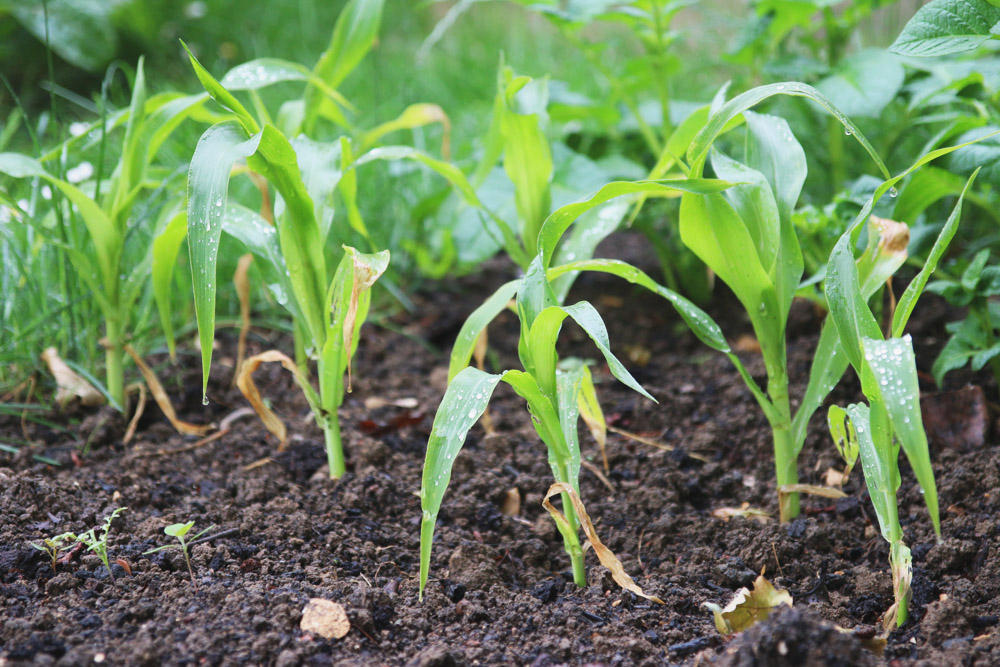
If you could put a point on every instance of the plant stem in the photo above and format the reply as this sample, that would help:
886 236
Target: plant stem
187 560
785 454
114 355
334 449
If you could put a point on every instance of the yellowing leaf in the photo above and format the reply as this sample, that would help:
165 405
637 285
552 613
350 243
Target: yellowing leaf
244 380
605 555
366 272
748 607
162 400
70 385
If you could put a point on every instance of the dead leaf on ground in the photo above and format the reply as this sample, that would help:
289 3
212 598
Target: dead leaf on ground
745 511
748 607
866 635
69 384
325 618
823 491
835 477
605 555
375 402
162 400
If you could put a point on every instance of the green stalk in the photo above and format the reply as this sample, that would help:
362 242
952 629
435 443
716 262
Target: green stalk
114 355
896 560
329 381
785 454
571 539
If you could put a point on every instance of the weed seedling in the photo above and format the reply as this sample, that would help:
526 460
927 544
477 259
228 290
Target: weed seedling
54 546
179 530
99 545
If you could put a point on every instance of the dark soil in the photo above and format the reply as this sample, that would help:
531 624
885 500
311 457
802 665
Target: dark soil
500 591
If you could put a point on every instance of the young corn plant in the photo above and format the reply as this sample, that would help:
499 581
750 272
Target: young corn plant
327 311
891 419
552 398
745 235
105 258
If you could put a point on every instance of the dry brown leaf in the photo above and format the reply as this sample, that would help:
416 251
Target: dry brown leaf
605 555
511 503
748 607
871 642
69 384
325 618
241 280
140 408
162 400
745 511
824 491
747 344
246 384
364 277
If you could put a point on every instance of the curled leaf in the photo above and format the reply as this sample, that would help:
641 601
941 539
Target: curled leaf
69 384
244 380
748 607
605 555
162 400
367 269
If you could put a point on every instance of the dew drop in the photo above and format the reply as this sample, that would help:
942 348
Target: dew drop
204 400
848 131
472 413
893 192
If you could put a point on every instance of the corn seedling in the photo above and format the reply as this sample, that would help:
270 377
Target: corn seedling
552 400
887 369
54 546
179 531
102 257
99 544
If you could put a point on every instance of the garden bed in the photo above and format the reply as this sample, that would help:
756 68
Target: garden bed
500 589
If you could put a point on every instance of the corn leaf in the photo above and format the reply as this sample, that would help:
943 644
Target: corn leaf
449 171
569 381
319 163
298 230
527 160
698 150
208 186
353 36
166 247
895 372
916 287
216 91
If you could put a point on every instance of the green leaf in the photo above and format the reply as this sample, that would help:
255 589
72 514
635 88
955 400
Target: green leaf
754 204
772 149
864 83
463 404
828 366
480 318
848 307
584 238
178 530
703 326
298 230
166 247
208 186
895 372
80 31
319 163
916 287
878 464
845 438
558 221
569 383
942 27
698 150
527 161
221 95
353 36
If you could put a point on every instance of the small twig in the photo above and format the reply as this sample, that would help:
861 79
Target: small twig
209 538
598 474
775 550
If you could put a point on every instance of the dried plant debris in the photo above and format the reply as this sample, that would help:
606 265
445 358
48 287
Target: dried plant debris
749 607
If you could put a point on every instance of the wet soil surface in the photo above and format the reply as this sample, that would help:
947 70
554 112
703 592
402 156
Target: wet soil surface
500 590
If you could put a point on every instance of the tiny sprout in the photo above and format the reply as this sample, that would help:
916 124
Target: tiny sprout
179 530
99 545
54 546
